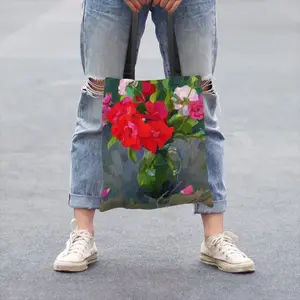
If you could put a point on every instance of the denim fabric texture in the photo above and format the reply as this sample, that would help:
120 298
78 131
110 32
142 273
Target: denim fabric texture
104 37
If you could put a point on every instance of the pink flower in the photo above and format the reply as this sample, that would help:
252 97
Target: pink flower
188 190
196 110
105 193
105 110
126 100
107 99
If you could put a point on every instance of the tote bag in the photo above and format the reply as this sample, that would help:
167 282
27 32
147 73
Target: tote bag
153 145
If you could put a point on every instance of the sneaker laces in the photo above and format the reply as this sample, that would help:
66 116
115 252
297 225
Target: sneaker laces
226 242
79 240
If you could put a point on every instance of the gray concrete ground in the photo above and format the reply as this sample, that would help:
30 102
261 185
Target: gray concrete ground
150 255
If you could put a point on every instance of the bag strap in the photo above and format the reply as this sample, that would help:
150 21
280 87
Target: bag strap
175 69
131 57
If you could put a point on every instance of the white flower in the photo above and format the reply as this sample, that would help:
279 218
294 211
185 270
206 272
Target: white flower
181 94
185 92
123 85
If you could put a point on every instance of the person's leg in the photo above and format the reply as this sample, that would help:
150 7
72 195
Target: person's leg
104 40
195 28
101 56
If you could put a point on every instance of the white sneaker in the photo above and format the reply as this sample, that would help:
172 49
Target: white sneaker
79 253
222 252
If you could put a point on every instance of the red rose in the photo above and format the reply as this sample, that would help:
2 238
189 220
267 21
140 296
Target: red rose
160 134
147 90
129 130
156 111
121 109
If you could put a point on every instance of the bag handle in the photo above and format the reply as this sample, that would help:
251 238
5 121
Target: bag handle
131 57
175 69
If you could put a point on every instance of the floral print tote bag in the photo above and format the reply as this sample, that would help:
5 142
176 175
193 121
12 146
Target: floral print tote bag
153 145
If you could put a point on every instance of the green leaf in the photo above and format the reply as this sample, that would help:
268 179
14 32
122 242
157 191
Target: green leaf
129 91
198 127
165 83
188 125
182 124
111 142
141 108
145 180
168 102
196 135
146 173
155 170
199 90
139 87
162 166
161 94
132 155
153 97
177 120
153 82
199 135
192 81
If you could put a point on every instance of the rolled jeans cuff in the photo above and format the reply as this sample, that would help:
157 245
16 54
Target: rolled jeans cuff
218 208
84 201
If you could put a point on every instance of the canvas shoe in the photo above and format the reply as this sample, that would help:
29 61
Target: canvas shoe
80 251
221 251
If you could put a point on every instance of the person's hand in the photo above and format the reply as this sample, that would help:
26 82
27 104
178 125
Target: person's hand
136 5
169 5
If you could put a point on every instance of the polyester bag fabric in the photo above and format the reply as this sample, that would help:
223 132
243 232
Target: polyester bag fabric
153 145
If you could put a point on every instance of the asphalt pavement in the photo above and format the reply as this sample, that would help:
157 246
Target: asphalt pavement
150 255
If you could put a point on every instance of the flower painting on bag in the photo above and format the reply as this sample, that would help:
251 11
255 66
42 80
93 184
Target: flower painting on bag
147 127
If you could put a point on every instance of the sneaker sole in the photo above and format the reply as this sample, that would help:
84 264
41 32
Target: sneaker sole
75 267
226 267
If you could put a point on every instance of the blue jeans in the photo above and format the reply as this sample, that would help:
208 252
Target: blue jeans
104 39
